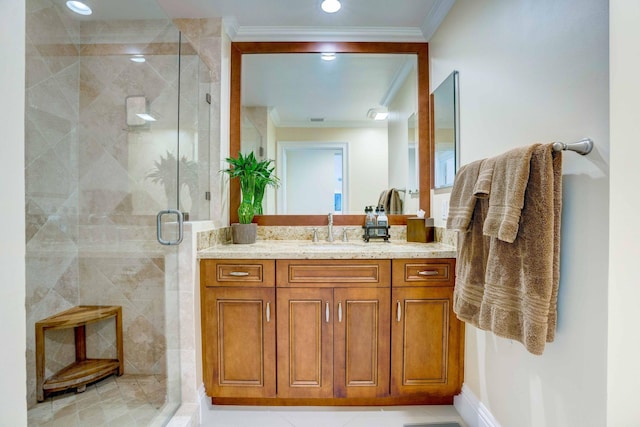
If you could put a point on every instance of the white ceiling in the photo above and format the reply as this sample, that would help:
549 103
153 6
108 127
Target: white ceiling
302 87
298 88
390 18
341 99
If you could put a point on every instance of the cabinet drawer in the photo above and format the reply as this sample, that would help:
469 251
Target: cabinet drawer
333 273
420 272
254 273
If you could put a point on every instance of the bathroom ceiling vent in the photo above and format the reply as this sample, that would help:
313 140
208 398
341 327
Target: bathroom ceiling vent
316 119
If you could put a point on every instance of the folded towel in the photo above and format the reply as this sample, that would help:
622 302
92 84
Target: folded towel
482 189
509 177
462 201
511 289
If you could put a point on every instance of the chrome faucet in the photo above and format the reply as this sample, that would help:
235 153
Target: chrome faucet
330 228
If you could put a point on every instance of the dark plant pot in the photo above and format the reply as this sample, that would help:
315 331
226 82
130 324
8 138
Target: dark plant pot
244 233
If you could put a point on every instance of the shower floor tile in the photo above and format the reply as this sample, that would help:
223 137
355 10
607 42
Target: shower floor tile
128 400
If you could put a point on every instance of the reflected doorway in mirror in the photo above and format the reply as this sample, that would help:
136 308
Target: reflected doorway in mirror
314 178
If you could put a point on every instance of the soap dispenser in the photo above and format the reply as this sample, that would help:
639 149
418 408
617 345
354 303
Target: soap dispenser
369 220
383 221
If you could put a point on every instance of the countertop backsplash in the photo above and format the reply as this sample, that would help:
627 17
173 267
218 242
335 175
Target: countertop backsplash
221 236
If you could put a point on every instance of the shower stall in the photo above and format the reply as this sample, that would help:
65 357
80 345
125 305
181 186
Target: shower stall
117 131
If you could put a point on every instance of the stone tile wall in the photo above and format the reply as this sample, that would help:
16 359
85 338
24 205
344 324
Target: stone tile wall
90 205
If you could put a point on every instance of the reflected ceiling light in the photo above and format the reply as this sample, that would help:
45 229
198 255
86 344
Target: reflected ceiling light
79 8
146 117
377 114
137 58
328 56
331 6
137 109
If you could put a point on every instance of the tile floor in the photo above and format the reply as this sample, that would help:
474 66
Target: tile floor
129 400
137 401
386 416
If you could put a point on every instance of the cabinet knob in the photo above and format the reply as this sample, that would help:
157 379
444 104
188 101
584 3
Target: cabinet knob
326 312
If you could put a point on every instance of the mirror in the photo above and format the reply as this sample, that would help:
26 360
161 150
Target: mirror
354 216
411 200
446 131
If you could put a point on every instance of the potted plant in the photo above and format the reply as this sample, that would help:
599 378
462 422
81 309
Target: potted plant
254 176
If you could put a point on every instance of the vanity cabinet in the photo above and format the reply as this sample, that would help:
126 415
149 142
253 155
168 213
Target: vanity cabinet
334 332
426 337
239 328
333 328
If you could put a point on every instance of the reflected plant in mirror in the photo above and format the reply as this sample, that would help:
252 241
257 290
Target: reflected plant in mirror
446 133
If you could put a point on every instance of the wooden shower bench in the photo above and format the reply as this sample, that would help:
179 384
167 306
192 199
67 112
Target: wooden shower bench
83 370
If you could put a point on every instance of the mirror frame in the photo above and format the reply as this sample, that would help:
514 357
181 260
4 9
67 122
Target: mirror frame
425 148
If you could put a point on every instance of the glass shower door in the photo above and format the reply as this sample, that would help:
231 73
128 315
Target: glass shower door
113 136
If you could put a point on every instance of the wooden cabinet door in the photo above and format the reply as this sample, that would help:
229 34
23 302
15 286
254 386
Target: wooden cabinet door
305 342
425 342
361 342
239 342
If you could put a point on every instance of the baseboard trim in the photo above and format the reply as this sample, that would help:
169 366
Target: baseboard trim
473 412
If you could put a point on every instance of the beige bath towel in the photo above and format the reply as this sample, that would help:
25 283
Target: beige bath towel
511 289
462 201
482 189
509 177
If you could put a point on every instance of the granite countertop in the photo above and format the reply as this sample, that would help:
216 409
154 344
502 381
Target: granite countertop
306 249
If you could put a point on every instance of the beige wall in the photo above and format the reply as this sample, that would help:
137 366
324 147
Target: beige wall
538 71
623 375
13 407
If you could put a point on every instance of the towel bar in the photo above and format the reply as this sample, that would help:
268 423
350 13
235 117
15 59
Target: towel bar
584 146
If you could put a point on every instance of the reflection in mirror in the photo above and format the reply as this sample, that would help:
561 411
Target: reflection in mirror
412 194
394 151
296 100
313 178
446 131
251 136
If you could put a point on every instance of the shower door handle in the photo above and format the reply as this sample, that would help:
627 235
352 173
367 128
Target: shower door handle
161 240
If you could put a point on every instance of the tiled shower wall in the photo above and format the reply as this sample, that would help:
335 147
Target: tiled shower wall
51 159
90 205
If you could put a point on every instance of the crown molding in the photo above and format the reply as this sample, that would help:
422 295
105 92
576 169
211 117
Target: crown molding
434 18
312 34
398 81
230 26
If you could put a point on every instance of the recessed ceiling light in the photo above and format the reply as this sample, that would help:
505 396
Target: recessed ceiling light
79 8
331 6
328 56
137 58
377 114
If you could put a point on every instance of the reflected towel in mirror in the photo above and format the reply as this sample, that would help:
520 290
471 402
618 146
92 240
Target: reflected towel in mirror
391 201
